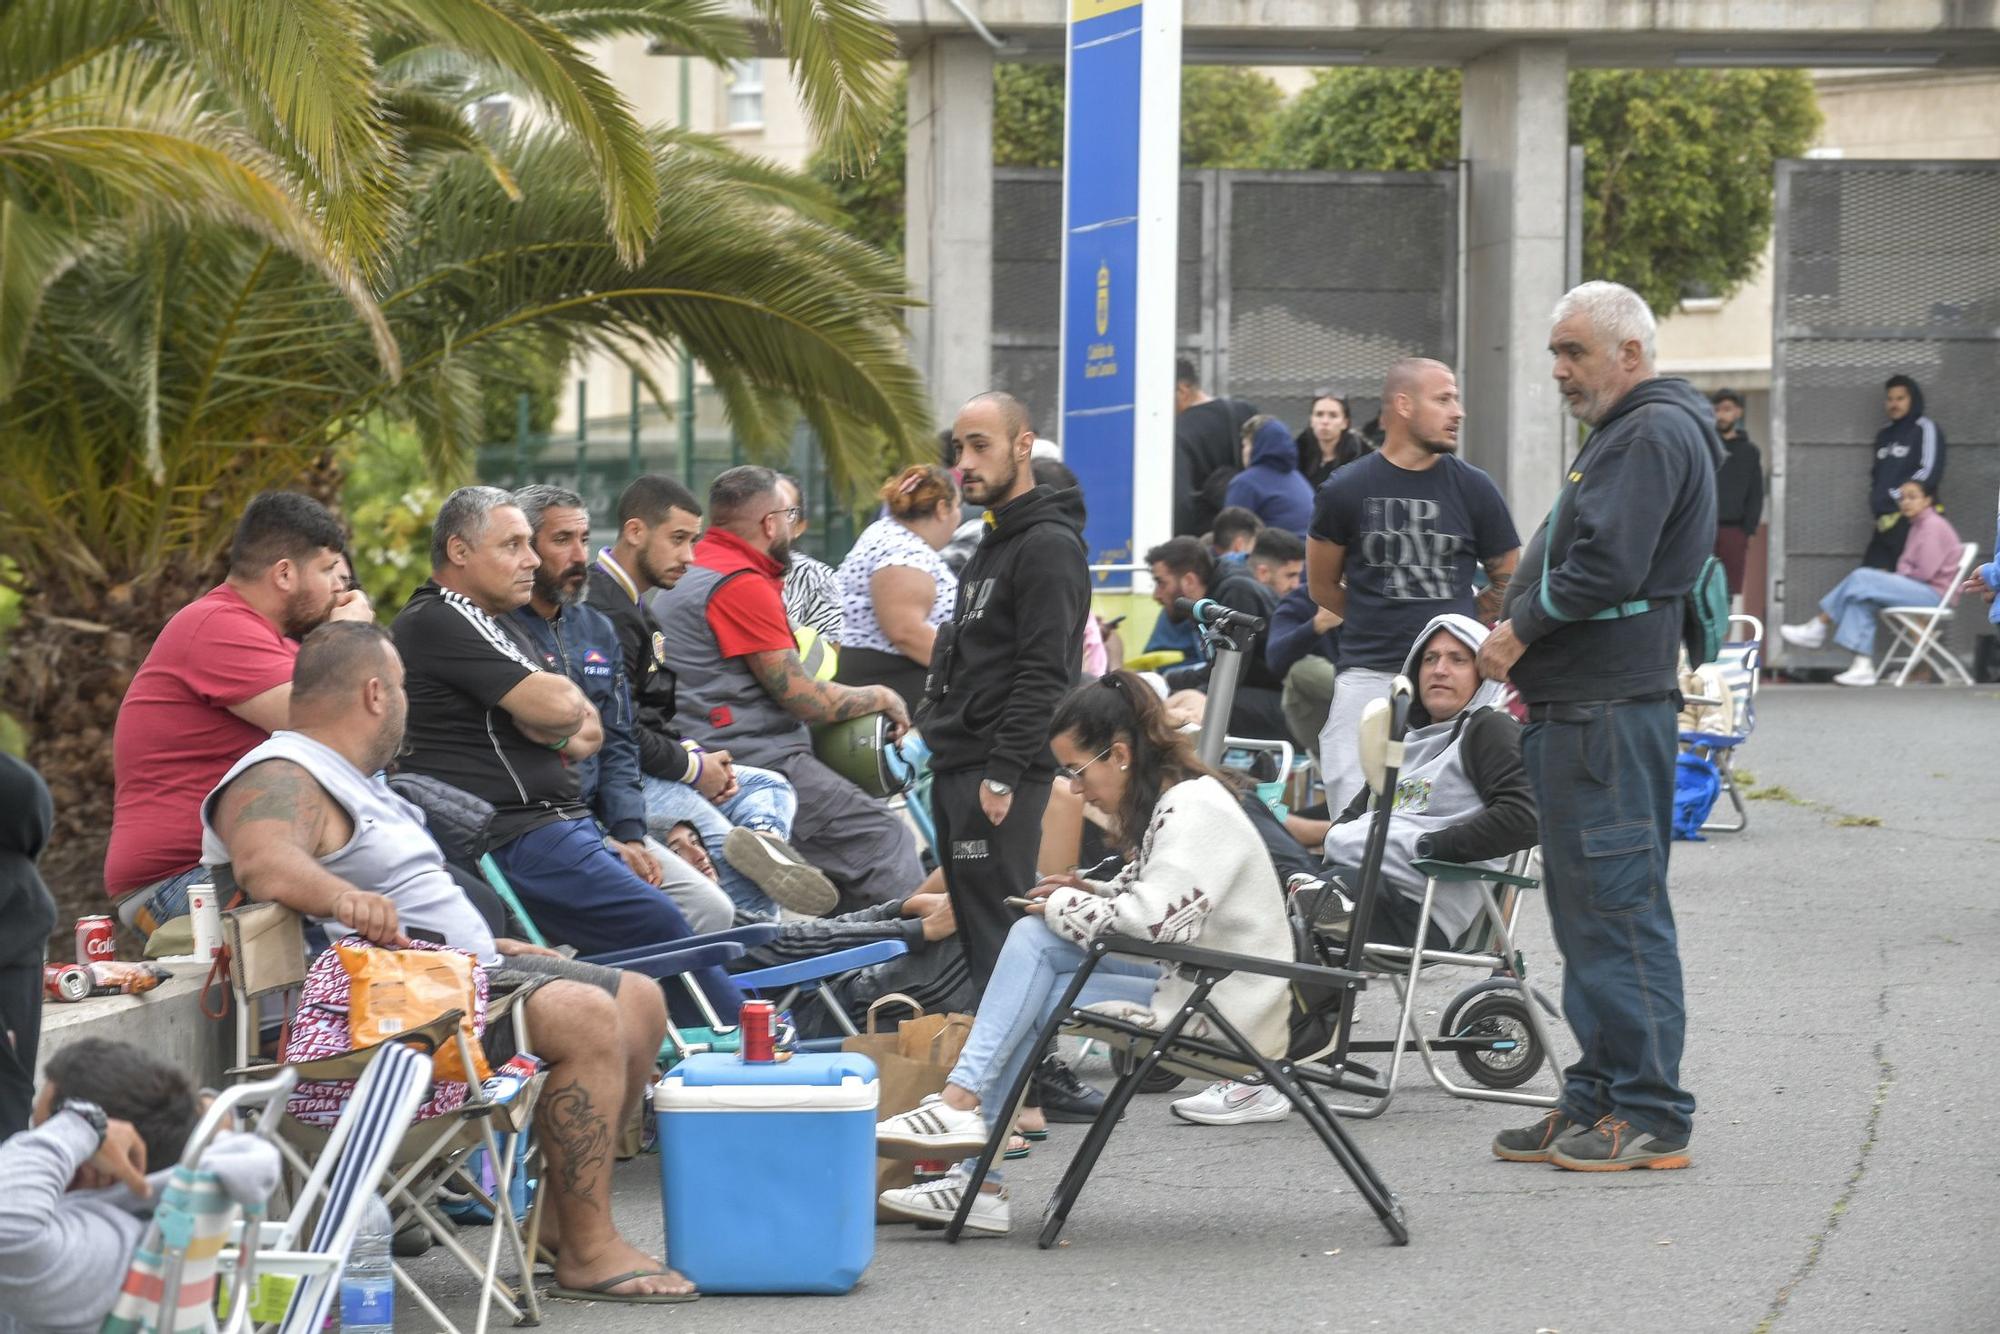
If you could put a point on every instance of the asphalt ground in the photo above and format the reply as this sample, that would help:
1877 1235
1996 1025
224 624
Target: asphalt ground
1843 993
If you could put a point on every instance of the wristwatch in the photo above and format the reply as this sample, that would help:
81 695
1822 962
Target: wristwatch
999 789
90 1112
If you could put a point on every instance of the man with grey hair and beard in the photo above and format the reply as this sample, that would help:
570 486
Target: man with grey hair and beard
579 641
1590 636
487 716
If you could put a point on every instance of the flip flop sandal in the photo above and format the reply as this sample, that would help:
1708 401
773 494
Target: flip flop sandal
1018 1147
601 1292
1036 1135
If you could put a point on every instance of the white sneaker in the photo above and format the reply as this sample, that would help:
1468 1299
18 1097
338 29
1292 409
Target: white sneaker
1862 673
1806 634
777 869
931 1129
1233 1104
936 1201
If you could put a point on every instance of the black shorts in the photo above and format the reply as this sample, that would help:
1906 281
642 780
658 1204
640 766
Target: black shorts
519 975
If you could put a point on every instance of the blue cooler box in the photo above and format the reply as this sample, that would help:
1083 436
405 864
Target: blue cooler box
767 1171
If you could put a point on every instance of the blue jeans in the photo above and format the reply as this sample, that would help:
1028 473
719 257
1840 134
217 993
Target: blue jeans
1603 775
580 893
1036 967
764 801
1854 601
151 907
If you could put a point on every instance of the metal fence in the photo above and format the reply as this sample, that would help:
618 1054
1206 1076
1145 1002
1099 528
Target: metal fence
1290 283
1881 268
600 459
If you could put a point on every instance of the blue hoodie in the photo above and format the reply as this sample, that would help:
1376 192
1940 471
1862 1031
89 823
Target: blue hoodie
1272 487
1990 572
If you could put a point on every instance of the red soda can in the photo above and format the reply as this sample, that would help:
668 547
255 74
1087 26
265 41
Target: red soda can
93 940
759 1022
65 981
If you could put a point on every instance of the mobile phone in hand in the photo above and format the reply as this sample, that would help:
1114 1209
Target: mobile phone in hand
1016 901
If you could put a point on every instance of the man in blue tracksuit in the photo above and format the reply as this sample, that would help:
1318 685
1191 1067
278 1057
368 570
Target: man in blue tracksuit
1590 635
579 641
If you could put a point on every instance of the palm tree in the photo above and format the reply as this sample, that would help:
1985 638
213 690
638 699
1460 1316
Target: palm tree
174 360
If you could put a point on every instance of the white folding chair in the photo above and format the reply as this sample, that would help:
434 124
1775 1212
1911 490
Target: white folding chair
1918 632
1741 662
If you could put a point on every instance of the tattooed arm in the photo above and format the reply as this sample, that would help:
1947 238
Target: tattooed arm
277 821
785 680
1499 573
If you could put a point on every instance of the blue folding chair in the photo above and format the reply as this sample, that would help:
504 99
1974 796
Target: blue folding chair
1741 661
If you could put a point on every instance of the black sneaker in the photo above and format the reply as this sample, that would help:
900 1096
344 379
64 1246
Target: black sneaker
1063 1096
1532 1144
1613 1145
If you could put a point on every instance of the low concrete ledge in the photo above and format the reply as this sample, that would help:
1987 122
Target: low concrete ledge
166 1021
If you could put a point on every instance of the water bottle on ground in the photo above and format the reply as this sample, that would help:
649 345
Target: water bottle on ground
368 1283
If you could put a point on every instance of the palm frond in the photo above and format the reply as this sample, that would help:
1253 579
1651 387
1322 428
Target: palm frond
553 70
432 124
301 75
709 29
841 54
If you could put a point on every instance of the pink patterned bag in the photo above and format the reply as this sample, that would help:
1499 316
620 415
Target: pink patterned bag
319 1029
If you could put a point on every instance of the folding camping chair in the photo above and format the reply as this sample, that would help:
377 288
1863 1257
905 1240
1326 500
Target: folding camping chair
1323 1001
1919 631
172 1282
310 1245
1740 663
267 963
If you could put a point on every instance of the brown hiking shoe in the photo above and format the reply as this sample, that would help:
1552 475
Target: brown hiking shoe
1531 1144
1613 1145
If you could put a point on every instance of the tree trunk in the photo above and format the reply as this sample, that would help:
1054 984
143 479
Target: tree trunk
65 674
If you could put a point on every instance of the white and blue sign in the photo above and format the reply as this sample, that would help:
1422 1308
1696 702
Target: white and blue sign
1110 236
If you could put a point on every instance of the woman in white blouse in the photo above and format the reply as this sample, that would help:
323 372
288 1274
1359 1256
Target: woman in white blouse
895 589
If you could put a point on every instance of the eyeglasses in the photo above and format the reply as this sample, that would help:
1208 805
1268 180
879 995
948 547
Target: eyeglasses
791 512
1076 774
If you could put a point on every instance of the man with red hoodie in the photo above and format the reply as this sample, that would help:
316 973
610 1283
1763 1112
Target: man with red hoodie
740 686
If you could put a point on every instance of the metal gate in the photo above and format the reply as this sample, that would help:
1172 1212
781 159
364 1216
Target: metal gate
1290 283
1881 268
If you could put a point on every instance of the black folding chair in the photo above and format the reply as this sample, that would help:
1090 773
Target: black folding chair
1322 1007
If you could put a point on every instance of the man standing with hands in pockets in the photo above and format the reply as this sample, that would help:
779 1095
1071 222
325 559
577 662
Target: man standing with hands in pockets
1590 636
1011 651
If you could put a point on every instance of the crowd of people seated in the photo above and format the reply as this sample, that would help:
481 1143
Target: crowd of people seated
638 718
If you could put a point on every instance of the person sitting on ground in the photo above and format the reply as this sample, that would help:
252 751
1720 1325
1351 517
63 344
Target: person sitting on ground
490 719
744 813
895 589
110 1122
1303 650
213 685
1462 795
1182 570
740 684
1271 485
303 820
1196 874
933 973
1925 571
812 590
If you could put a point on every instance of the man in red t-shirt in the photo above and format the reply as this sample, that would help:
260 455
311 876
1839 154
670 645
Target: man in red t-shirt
217 682
739 685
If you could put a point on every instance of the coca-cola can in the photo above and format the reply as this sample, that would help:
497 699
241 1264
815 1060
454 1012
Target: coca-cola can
65 981
93 940
759 1022
206 911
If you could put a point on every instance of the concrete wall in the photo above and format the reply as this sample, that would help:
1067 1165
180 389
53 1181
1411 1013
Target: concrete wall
166 1021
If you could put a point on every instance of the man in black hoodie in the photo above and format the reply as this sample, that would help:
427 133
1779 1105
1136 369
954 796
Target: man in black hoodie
1590 636
1739 488
1909 448
1012 650
27 915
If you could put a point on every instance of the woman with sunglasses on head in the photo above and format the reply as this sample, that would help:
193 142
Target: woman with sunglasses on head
1329 440
1195 872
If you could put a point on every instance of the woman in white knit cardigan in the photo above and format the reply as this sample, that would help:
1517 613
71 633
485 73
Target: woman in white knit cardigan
1195 871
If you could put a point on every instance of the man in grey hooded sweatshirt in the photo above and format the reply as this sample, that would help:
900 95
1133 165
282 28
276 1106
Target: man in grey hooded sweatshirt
1590 636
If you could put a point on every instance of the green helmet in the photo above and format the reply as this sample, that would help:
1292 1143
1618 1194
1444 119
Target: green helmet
859 750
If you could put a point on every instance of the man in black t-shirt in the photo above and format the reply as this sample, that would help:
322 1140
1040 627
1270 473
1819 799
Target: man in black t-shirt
1208 449
1395 538
485 716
